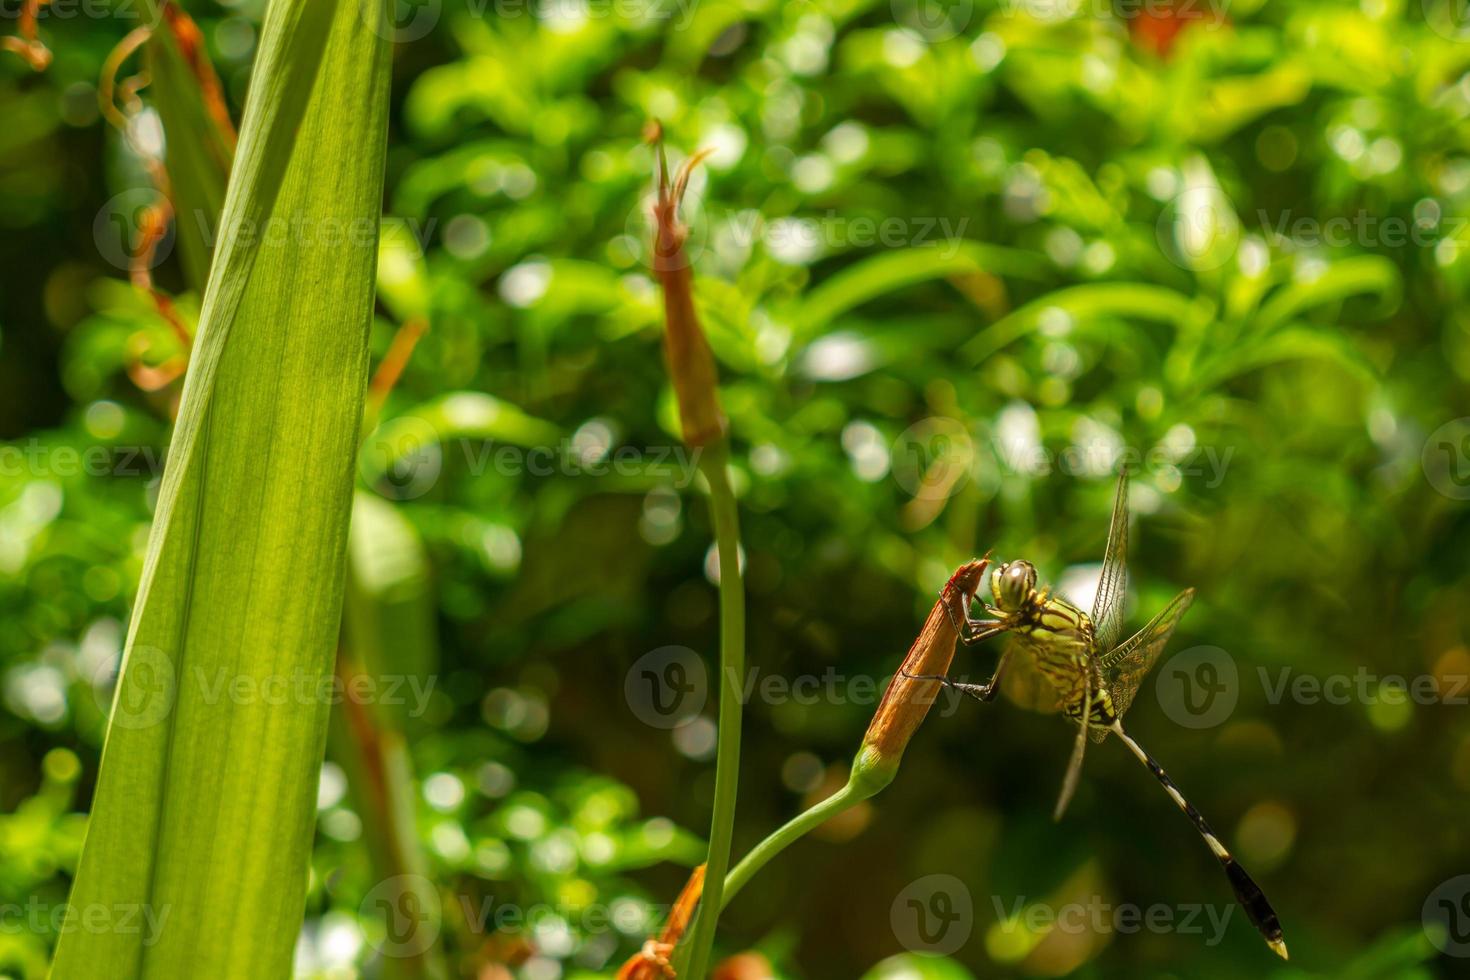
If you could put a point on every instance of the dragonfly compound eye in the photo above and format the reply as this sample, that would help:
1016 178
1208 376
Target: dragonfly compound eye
1011 583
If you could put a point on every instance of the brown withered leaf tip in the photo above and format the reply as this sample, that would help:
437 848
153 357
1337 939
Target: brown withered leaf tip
191 45
652 962
687 352
907 701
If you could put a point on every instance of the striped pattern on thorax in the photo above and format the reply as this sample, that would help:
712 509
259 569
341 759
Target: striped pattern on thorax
1059 638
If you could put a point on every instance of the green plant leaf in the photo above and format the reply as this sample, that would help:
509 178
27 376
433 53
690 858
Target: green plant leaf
1127 300
1231 103
205 804
1293 343
403 281
388 613
888 272
1360 275
400 442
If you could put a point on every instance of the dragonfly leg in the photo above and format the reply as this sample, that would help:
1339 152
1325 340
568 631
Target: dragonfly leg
970 629
973 631
980 692
954 620
1074 767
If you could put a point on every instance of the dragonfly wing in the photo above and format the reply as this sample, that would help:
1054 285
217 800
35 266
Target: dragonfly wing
1112 587
1074 767
1125 667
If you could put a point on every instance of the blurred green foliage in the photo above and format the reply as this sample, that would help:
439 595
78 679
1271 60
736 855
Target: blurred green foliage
1227 241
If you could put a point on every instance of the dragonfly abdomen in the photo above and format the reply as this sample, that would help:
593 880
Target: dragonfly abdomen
1103 713
1247 892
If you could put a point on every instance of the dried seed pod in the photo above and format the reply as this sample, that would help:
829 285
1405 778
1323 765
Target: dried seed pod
909 698
690 362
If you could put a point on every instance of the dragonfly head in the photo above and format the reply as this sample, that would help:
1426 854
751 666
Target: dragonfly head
1011 583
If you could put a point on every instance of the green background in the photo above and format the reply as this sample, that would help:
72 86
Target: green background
1238 259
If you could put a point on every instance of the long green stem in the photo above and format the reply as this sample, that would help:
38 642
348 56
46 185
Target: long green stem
732 668
797 827
902 709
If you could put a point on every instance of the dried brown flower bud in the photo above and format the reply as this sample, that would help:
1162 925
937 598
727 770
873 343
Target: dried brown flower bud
907 699
691 363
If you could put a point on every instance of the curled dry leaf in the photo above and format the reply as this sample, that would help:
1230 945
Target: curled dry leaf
27 43
652 962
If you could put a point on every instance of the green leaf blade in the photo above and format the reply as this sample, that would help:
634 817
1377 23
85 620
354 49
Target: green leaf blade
205 804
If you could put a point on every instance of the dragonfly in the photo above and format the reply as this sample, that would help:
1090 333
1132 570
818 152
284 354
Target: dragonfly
1094 676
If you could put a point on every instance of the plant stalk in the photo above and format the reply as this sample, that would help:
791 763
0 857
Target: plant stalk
904 706
714 463
849 796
